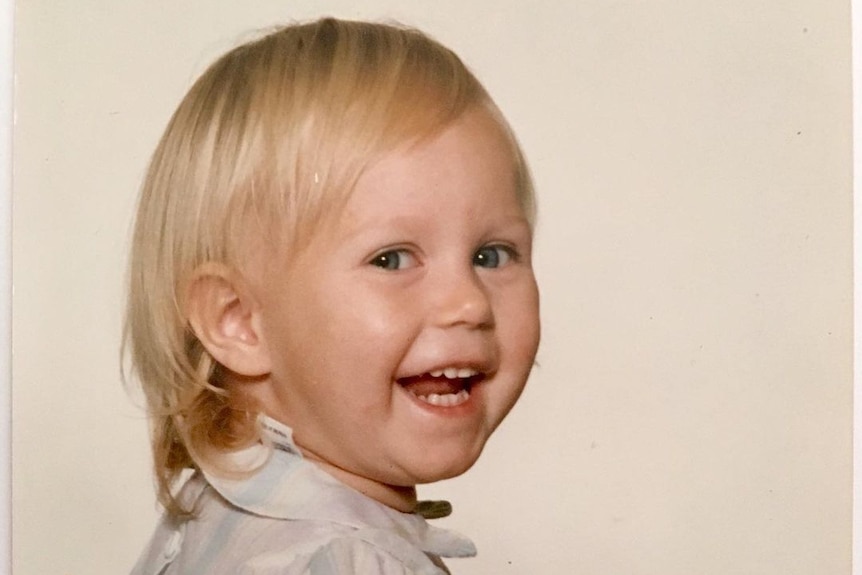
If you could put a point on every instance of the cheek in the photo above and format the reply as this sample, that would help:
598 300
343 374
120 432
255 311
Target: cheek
378 311
519 318
351 328
534 322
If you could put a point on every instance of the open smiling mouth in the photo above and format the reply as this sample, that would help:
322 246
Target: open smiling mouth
442 388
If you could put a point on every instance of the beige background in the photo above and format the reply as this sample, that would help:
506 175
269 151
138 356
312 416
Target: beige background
692 411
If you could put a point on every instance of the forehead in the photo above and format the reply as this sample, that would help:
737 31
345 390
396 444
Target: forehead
473 154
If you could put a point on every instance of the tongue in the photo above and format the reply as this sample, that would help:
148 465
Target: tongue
424 385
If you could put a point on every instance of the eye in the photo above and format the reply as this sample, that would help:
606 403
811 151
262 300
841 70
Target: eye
493 256
394 260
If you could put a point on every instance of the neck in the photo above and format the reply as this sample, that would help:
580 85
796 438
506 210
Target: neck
398 497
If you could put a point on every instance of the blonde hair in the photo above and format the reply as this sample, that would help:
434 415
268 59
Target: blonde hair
268 137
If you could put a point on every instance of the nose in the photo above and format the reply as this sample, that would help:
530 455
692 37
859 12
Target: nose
463 299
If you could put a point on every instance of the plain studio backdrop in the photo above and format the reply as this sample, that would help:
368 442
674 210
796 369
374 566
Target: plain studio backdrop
692 408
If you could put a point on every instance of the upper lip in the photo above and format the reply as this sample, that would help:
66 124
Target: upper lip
480 358
452 370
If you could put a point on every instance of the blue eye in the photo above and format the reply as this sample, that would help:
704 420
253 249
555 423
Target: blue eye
492 256
393 260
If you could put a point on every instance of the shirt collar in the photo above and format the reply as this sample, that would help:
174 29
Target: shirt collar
286 486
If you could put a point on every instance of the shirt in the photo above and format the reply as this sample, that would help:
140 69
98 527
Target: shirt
292 518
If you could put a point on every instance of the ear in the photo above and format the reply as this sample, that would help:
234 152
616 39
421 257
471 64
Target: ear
226 319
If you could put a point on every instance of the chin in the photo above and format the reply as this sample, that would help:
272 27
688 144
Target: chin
436 467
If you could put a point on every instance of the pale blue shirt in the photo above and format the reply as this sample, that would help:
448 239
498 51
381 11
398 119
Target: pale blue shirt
292 518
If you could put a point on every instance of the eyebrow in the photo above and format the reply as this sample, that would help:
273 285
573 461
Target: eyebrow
519 219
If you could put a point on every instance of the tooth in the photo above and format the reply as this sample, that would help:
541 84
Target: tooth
437 373
446 399
466 372
451 372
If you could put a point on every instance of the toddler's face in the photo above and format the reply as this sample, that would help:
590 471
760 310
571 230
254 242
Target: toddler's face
405 331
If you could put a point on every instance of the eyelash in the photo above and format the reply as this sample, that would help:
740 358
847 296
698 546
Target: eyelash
391 260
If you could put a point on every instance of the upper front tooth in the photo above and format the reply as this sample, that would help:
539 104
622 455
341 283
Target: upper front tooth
455 373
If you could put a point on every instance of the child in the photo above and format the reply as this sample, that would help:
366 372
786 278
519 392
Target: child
331 301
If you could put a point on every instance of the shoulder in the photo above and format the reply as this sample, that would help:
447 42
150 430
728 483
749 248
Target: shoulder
223 540
370 552
292 527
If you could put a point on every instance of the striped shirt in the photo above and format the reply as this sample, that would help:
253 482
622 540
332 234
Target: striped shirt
292 518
